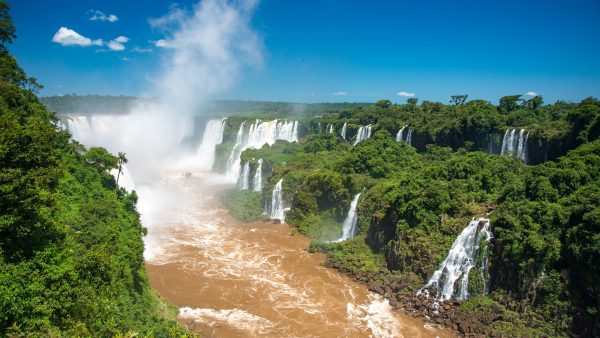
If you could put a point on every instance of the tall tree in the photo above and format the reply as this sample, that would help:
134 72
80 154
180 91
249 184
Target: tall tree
122 160
7 28
412 101
509 103
458 99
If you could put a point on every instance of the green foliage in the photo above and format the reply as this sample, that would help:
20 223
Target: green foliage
244 205
71 250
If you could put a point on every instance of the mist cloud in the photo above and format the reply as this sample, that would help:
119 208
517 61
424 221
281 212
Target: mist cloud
206 49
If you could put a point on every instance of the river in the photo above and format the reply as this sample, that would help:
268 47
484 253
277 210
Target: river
232 279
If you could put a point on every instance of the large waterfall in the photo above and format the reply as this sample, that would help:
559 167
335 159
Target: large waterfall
349 225
514 144
363 134
343 133
452 276
257 182
245 177
276 210
257 135
213 135
404 134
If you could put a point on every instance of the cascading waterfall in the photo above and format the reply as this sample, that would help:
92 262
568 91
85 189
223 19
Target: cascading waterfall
363 133
257 135
245 177
257 182
330 129
343 133
213 135
349 225
515 146
276 210
452 276
409 136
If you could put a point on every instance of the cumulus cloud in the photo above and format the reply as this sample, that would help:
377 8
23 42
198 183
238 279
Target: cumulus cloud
532 94
97 15
340 93
69 37
121 39
406 94
117 44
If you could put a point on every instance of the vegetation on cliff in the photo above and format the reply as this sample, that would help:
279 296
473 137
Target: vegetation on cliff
71 259
417 198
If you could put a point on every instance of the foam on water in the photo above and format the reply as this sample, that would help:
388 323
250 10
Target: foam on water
236 318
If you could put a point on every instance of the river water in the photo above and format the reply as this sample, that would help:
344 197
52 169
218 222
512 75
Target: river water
232 279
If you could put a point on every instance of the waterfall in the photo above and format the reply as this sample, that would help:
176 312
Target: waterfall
515 146
349 225
363 134
276 211
452 276
319 127
343 133
409 137
330 129
401 137
245 177
257 182
258 134
125 178
213 135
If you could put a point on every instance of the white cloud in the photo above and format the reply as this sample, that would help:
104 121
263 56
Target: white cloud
162 43
125 58
69 37
406 94
122 39
532 94
141 50
340 93
116 46
97 15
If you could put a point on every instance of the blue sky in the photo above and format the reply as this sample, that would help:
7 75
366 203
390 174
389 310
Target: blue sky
328 51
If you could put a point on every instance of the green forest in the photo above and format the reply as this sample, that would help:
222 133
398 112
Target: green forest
417 198
71 247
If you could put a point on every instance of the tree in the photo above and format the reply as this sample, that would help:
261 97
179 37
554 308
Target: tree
458 99
535 102
122 160
384 104
412 101
509 103
7 29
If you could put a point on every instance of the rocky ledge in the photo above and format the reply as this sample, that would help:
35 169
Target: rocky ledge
401 294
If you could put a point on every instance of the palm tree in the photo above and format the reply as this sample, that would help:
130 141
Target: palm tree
122 161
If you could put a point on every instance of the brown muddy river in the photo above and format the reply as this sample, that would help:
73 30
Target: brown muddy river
231 279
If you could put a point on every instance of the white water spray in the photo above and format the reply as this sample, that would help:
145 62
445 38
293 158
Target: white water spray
343 133
245 177
363 133
349 225
257 135
452 276
257 182
276 210
515 145
213 135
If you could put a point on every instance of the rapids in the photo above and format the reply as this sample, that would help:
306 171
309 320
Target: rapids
231 279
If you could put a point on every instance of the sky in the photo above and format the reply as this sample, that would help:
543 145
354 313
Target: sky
330 50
